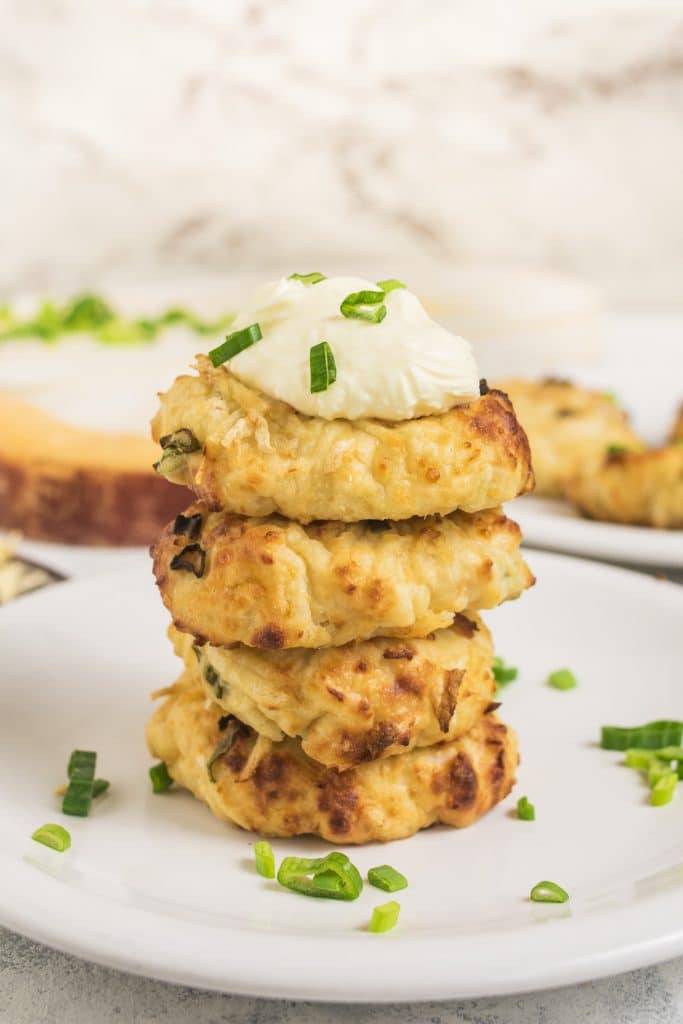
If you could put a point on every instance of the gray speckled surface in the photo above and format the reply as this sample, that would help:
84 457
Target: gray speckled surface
39 985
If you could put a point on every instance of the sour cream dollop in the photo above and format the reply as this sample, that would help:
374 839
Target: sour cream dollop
404 367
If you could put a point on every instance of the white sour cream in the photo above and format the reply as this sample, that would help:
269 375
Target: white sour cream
403 367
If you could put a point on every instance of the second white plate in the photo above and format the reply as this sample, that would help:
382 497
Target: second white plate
555 524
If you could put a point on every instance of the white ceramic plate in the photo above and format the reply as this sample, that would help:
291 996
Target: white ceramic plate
555 524
155 885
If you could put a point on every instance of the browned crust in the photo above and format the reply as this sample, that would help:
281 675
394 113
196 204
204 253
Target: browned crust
285 793
271 583
258 455
640 488
53 502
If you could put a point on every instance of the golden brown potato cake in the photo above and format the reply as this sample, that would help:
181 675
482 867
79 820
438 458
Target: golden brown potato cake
569 429
275 789
643 488
677 429
247 453
368 699
272 583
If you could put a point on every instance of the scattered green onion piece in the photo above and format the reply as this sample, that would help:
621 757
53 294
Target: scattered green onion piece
664 789
503 673
525 809
657 770
562 679
614 450
235 343
331 877
161 780
548 892
640 759
265 859
611 397
670 753
81 765
384 917
323 367
364 306
54 836
652 736
313 278
81 771
390 285
99 787
387 878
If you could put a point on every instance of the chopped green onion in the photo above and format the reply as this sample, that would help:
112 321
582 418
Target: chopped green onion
54 836
640 759
611 397
313 278
161 780
82 765
265 859
652 736
323 367
359 306
562 679
525 810
664 789
387 878
656 770
384 917
670 753
99 787
504 674
613 450
548 892
390 285
331 877
224 746
81 771
235 343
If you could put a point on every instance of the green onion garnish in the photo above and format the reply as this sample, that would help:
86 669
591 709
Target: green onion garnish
504 674
639 759
364 306
611 397
313 278
390 285
664 788
54 836
656 770
613 450
79 792
99 787
161 780
331 877
384 917
387 878
548 892
525 810
562 679
235 343
265 859
323 367
652 736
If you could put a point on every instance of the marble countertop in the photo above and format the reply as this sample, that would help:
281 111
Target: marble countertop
39 985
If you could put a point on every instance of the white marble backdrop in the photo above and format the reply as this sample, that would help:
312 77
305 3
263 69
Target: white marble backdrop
146 137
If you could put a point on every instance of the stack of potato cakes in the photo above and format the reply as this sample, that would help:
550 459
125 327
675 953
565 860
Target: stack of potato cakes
325 590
